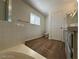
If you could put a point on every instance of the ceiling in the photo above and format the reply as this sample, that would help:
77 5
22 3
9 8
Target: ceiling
44 6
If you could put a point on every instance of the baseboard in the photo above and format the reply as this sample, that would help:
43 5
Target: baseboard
58 40
37 37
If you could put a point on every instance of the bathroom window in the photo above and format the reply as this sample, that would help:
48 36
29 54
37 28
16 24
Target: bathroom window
34 19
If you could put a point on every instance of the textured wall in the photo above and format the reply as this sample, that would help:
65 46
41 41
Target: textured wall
12 34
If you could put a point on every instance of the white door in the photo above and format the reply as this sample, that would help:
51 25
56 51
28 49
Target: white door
58 24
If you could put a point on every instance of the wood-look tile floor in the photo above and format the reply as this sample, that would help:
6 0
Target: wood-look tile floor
51 49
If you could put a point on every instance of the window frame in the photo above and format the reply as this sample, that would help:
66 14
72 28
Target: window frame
34 20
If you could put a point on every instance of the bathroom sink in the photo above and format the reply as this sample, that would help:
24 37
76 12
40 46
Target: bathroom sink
14 55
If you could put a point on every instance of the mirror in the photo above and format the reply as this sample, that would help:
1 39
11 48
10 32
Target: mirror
72 19
5 10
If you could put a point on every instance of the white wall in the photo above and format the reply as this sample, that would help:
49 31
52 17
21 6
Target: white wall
22 11
11 34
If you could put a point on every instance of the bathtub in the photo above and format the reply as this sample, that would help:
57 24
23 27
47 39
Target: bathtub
20 51
14 55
